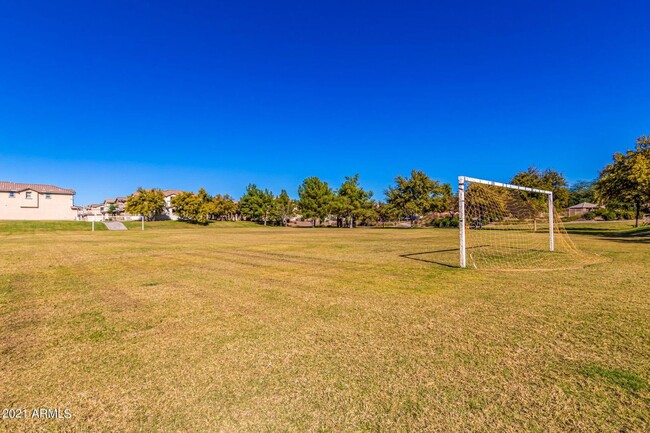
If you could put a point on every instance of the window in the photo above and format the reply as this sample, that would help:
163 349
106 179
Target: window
28 195
48 195
12 194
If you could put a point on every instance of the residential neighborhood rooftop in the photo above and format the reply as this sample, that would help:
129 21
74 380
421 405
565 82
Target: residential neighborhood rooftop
584 205
41 188
168 192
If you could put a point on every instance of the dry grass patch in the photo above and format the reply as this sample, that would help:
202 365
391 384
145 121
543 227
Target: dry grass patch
227 328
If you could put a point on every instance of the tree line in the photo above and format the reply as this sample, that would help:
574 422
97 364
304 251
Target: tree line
622 185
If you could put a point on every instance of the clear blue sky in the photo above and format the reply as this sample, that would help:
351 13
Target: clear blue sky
106 96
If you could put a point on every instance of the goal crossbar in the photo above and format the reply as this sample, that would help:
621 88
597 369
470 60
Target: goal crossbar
461 210
463 179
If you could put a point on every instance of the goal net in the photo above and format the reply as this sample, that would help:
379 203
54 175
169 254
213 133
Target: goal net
505 226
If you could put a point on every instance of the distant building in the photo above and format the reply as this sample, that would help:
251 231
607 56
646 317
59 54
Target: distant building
582 208
91 212
114 207
169 210
32 201
110 209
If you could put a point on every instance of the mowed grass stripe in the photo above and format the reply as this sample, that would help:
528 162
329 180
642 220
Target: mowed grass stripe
253 329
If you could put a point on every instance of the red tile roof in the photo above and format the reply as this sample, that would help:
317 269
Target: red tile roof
168 192
584 205
17 187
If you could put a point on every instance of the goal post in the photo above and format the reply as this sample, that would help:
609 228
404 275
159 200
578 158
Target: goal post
463 182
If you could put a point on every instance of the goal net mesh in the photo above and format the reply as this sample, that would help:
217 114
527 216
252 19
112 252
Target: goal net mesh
509 229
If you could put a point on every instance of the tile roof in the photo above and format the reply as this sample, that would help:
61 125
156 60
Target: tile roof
168 192
584 205
17 187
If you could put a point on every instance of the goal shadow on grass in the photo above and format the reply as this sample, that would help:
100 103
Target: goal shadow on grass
448 258
631 235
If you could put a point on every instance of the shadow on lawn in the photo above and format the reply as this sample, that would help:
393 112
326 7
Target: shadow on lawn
451 263
636 235
411 256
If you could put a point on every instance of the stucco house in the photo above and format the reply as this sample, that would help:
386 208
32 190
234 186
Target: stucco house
118 208
32 201
582 208
169 210
91 212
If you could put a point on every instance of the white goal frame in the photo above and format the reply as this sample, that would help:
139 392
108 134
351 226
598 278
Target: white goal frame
461 211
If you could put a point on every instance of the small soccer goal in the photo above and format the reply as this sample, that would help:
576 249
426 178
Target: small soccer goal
504 226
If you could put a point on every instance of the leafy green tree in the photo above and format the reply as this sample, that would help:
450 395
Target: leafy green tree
146 202
353 203
257 204
581 192
385 213
549 180
284 207
417 195
315 199
192 207
112 209
222 207
485 203
627 178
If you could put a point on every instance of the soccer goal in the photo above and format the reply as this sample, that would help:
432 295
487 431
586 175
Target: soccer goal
505 226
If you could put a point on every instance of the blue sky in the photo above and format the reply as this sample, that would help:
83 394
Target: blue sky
106 96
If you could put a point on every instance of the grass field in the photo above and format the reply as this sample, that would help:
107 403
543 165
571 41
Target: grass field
233 327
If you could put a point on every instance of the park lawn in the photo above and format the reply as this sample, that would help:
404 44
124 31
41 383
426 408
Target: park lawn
12 227
159 225
228 328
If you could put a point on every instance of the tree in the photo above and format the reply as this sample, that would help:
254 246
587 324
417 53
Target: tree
256 204
146 202
112 209
549 180
385 212
581 192
486 203
419 194
353 203
315 199
192 207
284 207
627 178
223 207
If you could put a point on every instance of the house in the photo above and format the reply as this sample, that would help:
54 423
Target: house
169 210
109 209
114 207
92 212
32 201
582 208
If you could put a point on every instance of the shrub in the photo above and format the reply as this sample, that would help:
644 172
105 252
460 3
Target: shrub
625 215
606 214
589 216
445 222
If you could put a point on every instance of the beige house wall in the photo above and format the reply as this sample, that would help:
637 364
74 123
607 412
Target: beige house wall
582 211
36 207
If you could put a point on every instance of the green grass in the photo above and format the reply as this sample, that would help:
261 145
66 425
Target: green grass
237 327
626 380
12 227
157 225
